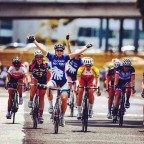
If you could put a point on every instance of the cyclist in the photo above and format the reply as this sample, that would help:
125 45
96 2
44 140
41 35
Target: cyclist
110 76
15 74
73 65
40 73
125 76
87 73
58 63
142 85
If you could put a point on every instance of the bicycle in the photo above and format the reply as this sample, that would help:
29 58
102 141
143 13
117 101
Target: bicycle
72 98
85 109
56 115
15 105
35 113
121 109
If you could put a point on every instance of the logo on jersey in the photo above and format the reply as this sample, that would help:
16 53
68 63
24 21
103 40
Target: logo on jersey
57 73
71 69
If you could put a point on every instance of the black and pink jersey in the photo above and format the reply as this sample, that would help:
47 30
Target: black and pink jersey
40 72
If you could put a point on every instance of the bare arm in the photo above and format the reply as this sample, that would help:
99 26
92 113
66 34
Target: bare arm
116 79
72 55
132 80
32 39
68 43
39 47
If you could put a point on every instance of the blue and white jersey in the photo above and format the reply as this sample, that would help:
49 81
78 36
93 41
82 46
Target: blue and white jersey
58 65
125 75
73 66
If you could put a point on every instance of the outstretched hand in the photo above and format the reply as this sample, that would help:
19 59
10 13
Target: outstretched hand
31 38
68 36
89 45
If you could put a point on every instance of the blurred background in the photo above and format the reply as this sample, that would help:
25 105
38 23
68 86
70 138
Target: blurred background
109 24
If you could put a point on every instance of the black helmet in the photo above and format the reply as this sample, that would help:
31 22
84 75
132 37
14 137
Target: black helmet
59 46
16 61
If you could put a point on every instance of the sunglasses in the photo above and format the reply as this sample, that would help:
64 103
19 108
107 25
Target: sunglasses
59 50
39 57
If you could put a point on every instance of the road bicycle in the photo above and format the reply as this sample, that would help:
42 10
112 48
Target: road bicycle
72 98
85 107
121 109
35 113
15 105
56 115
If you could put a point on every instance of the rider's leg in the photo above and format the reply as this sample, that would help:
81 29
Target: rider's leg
116 102
110 100
20 91
91 102
79 102
128 94
32 92
50 96
41 95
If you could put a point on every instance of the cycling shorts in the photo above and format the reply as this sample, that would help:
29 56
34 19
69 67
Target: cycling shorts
62 84
86 80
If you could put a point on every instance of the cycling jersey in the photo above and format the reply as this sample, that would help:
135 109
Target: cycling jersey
124 77
40 72
87 76
73 66
111 76
15 75
58 65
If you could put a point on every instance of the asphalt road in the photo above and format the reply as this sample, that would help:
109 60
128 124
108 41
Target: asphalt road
100 129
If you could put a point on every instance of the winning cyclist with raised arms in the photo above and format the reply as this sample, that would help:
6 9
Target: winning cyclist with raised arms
58 78
73 65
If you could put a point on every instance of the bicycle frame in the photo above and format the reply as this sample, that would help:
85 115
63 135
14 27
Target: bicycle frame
121 110
56 115
71 96
85 107
15 105
35 108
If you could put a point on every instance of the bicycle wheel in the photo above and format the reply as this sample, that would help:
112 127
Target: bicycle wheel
72 105
14 108
34 118
121 111
56 119
85 116
13 117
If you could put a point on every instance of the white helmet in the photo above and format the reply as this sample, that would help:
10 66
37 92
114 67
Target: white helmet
116 62
87 61
38 53
126 62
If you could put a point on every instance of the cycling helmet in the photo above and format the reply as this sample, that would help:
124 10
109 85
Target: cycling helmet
38 53
110 65
16 61
126 62
87 61
59 46
116 62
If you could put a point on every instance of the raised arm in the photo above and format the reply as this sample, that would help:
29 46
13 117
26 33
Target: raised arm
68 43
33 40
72 55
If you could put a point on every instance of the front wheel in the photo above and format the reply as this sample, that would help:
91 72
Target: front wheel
85 116
13 115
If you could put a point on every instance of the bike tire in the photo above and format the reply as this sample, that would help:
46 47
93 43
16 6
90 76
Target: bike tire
85 116
13 115
35 121
56 119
